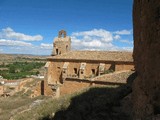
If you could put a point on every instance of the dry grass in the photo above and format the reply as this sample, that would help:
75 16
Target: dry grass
18 102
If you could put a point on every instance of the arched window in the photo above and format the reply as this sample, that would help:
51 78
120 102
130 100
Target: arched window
62 33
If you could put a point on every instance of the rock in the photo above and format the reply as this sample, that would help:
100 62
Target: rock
146 87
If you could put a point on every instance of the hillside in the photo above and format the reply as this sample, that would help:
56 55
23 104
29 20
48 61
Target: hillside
18 57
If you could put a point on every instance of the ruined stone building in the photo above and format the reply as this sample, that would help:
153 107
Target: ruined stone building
67 69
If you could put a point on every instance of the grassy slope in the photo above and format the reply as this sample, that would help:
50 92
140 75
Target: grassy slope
18 102
96 103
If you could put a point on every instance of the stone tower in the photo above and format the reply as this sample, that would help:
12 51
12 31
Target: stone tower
62 43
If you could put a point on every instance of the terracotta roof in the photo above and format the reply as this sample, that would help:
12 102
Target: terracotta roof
96 55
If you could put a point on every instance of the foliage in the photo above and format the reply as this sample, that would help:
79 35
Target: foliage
18 70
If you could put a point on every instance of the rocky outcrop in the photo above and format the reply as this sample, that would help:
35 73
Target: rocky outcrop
146 87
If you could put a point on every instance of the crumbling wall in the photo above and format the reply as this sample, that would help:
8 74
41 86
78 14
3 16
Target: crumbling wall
54 72
146 87
47 91
126 66
71 67
73 86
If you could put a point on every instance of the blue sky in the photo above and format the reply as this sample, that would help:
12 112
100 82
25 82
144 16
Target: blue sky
29 26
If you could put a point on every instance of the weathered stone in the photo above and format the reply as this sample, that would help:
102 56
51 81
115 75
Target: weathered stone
146 87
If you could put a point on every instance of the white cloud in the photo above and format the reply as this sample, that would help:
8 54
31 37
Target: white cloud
9 33
14 42
116 37
4 42
36 50
123 32
101 34
96 39
46 46
126 41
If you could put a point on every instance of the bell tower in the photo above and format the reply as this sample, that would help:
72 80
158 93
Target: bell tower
61 44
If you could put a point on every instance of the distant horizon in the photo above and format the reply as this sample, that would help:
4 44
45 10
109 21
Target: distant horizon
71 50
29 27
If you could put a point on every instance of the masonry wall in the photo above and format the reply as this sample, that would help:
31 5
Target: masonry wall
62 45
55 69
76 85
54 72
89 68
47 89
127 66
73 86
71 67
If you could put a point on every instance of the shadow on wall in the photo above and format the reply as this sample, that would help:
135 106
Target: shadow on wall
98 104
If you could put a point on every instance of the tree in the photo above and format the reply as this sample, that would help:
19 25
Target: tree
12 69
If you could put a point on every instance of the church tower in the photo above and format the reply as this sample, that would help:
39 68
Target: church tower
62 43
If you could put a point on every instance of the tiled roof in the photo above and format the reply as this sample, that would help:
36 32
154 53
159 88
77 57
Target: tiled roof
96 55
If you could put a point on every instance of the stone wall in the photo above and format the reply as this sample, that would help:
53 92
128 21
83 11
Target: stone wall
42 88
70 87
55 69
121 67
75 85
146 87
62 43
54 72
47 89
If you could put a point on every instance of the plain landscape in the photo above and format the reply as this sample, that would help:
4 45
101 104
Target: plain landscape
21 105
103 63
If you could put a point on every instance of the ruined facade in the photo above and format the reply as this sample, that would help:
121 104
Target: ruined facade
146 87
66 68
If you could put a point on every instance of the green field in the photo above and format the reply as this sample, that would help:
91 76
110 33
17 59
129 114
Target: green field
17 70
